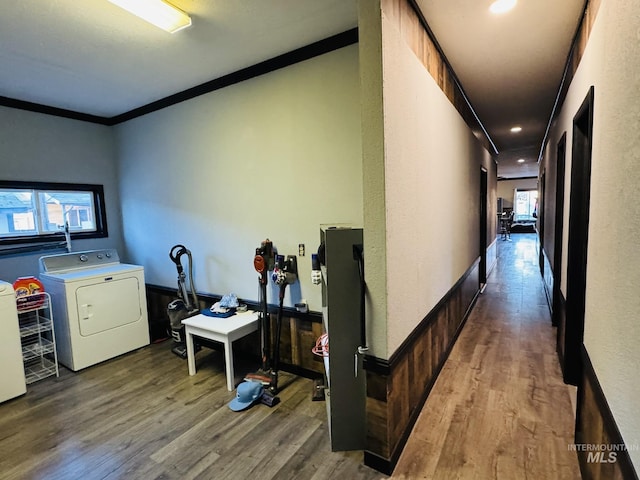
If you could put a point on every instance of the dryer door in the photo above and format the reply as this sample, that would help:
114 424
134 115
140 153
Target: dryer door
109 304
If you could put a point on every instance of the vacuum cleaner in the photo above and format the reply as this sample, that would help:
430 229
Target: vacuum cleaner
185 306
264 262
284 273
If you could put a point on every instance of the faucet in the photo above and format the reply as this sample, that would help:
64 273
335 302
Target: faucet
67 236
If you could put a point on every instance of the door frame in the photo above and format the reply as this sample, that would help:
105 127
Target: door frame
484 192
558 231
578 238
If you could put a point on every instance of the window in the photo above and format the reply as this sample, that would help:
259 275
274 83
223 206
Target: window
37 212
526 205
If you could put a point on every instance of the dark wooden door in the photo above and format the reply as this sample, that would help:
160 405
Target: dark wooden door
578 239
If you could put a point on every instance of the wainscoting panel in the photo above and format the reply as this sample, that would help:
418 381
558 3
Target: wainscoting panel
299 331
560 313
547 278
599 445
398 388
492 256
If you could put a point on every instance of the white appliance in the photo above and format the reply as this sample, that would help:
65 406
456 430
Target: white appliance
12 380
99 306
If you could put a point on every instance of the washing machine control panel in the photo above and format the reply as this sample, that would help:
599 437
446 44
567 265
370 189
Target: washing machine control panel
75 260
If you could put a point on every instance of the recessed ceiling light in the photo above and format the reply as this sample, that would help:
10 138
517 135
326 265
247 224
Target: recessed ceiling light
502 6
521 160
157 12
516 129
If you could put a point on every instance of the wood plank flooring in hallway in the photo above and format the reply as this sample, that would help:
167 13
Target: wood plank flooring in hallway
499 409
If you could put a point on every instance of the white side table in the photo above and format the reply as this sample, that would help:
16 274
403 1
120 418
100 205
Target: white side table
224 330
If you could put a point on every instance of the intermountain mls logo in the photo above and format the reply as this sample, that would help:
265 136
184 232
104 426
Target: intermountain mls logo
602 452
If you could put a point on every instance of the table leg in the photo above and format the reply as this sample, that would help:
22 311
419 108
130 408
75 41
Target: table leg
228 360
191 360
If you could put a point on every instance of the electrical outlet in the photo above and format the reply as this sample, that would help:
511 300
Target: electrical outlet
301 250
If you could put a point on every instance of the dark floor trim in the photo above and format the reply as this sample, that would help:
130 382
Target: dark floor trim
210 299
382 366
610 434
307 52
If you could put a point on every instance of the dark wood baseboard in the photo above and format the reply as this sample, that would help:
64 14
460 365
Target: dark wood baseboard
547 281
601 450
299 330
397 389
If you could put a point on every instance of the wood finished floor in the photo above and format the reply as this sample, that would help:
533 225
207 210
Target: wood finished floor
141 416
499 409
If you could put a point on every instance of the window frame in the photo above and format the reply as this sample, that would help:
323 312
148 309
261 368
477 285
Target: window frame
100 213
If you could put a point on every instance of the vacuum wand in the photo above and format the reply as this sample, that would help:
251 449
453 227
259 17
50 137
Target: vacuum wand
285 273
263 262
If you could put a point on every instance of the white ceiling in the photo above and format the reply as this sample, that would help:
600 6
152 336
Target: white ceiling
94 58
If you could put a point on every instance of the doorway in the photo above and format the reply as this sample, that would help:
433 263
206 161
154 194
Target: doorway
558 230
484 191
540 208
578 239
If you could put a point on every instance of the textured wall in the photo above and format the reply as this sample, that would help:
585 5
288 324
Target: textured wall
432 181
610 63
274 156
373 185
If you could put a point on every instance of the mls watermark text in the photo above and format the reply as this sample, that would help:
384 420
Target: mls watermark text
602 452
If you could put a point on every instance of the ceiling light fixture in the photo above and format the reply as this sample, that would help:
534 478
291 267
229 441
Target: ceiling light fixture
516 129
157 12
521 160
502 6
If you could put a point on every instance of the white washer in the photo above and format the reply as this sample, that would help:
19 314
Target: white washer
12 380
99 306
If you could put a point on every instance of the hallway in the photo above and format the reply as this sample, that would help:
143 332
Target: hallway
499 409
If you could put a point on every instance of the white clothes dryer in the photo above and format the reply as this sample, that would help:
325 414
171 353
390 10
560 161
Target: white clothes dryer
99 306
12 379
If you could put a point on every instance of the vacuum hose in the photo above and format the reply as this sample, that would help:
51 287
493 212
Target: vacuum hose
174 254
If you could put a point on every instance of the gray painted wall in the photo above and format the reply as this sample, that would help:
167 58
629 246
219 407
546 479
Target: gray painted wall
275 156
43 148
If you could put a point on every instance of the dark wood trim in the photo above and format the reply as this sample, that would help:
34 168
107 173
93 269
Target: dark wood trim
308 328
560 309
379 463
34 243
610 433
307 52
321 47
423 21
561 157
48 110
577 249
483 213
548 294
253 305
383 367
583 31
376 365
504 179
